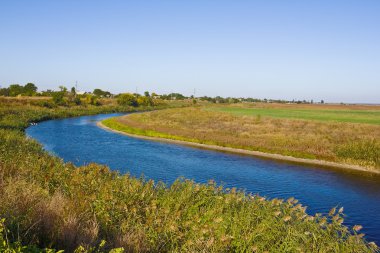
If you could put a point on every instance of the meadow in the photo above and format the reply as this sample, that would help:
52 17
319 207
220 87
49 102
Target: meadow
334 113
277 129
48 205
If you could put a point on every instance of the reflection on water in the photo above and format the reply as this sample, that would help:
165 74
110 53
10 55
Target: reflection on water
80 141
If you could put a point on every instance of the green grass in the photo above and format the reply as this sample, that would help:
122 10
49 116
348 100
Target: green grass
351 116
49 204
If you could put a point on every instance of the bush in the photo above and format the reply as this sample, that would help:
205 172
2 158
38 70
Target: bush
127 99
58 98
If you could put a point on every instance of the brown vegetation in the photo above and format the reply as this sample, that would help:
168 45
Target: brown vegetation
338 142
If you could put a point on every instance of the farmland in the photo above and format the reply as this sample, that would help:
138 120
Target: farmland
331 113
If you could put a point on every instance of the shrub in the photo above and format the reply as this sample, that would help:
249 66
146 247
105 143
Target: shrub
58 98
127 99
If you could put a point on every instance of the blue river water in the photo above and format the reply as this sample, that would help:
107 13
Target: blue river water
80 141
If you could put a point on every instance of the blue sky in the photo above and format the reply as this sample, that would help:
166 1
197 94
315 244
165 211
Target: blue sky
266 49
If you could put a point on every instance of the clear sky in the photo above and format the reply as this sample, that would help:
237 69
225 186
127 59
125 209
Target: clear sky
266 49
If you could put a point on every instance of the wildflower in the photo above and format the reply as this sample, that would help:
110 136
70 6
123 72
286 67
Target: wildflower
277 213
287 218
341 210
307 233
356 228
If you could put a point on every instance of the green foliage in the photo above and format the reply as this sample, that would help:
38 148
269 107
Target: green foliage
92 100
30 89
15 89
101 93
57 98
127 99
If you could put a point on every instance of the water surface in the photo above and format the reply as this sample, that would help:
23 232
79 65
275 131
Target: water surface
80 141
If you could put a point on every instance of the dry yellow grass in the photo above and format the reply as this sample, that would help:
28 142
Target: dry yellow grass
349 143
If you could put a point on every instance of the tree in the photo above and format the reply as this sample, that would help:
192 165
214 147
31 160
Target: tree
146 94
4 92
15 89
127 99
101 93
30 89
63 88
73 91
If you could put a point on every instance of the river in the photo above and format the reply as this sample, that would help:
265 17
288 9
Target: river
80 141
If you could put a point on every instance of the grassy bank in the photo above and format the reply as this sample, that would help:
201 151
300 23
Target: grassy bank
46 203
347 143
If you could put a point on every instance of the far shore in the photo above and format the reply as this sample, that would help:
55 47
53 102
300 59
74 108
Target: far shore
248 152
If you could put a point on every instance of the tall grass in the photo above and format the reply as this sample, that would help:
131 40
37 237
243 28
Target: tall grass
49 204
349 143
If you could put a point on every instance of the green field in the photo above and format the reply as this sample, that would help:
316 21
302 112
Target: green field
351 116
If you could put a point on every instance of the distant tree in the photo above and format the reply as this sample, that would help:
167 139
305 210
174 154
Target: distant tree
146 94
322 101
73 91
30 89
127 99
15 89
101 93
4 92
63 88
173 96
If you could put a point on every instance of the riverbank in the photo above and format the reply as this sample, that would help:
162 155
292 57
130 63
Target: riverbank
353 144
245 152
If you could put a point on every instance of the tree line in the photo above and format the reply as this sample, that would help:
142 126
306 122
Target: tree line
63 95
